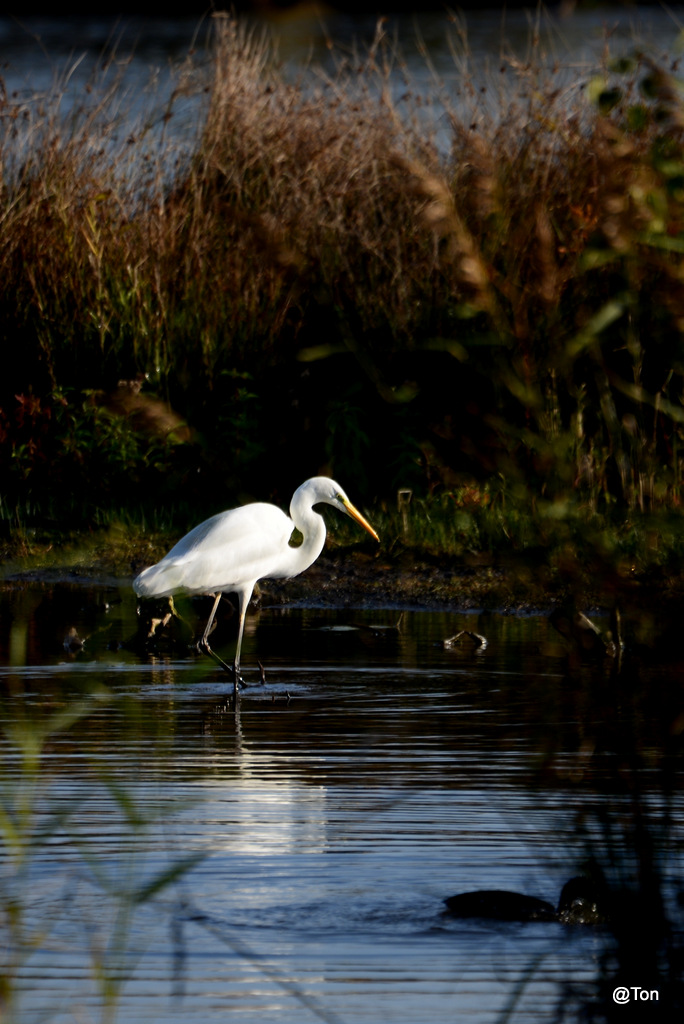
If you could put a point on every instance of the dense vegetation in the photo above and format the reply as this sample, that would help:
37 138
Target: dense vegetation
316 281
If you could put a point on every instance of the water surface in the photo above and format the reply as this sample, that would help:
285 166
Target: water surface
447 61
373 775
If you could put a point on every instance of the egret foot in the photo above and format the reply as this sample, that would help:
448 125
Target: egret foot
204 648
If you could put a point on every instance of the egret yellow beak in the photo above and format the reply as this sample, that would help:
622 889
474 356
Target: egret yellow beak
355 514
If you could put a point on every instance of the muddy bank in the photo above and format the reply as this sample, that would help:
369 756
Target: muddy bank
363 576
354 579
358 575
410 581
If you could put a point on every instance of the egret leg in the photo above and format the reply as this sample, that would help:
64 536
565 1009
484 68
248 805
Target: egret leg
210 621
244 597
204 647
243 602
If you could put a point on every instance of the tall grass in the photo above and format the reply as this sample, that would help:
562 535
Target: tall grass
319 277
35 821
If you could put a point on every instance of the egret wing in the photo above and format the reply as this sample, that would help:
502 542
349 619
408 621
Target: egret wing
230 549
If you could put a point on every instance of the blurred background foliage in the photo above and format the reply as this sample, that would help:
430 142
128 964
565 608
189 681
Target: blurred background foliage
493 328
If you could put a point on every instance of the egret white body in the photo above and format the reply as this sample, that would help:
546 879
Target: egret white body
231 551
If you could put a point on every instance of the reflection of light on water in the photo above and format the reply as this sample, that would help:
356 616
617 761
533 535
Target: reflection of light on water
248 811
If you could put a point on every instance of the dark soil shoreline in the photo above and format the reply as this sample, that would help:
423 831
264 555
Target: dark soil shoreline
409 581
361 577
355 579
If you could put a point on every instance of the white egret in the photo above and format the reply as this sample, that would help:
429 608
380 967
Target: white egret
231 551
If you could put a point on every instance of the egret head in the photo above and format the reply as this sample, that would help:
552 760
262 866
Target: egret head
342 502
322 488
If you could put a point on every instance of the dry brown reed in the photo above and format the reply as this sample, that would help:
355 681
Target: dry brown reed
503 297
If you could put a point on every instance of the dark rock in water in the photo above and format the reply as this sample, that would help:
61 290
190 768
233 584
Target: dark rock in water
501 905
579 903
582 902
